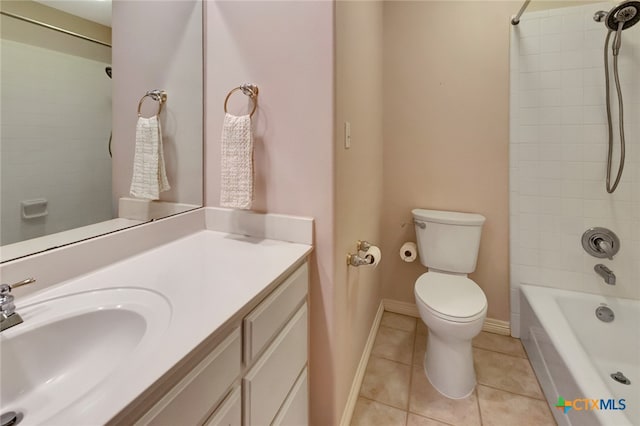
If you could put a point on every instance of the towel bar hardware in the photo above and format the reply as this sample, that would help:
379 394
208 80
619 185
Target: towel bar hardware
250 90
159 96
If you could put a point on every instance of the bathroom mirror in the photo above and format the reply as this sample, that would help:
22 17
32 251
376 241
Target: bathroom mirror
72 76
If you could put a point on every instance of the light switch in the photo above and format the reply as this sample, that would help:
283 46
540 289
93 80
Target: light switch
347 135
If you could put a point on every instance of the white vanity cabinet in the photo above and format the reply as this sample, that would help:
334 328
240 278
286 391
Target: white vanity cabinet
256 375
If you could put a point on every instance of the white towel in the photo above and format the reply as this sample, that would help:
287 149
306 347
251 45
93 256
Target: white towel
149 174
237 162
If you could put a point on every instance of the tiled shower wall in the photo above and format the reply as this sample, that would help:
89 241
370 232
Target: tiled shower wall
56 121
558 150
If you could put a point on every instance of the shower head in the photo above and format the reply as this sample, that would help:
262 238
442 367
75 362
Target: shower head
108 71
627 12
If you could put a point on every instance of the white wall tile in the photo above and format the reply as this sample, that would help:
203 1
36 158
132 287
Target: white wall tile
530 46
551 25
550 133
572 24
550 97
572 115
529 98
528 134
530 81
547 80
572 78
572 96
528 28
572 60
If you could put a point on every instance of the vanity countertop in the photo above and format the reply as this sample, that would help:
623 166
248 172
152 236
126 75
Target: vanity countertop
206 278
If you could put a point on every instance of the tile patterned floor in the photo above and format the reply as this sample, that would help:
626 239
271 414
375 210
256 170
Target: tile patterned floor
395 390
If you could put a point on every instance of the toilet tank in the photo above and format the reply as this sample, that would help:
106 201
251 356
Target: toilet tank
448 241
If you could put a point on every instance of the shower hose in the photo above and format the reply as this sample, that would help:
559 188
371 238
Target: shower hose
616 47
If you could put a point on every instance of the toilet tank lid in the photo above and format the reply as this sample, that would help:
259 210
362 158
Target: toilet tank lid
451 218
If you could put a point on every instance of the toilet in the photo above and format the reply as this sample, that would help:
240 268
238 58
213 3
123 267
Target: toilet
452 306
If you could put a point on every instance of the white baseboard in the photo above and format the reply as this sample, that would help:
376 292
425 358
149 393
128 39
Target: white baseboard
496 326
402 308
490 325
362 366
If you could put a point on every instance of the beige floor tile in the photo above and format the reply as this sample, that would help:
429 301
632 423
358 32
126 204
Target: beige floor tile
387 382
372 413
428 402
421 327
415 420
400 322
393 344
500 408
419 349
495 342
505 372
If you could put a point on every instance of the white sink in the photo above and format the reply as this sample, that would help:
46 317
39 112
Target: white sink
68 345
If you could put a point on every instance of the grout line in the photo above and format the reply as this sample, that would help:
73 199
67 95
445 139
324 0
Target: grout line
501 353
478 403
380 402
382 356
430 418
511 392
413 354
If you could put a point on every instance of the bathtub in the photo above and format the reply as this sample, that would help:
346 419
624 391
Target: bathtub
573 354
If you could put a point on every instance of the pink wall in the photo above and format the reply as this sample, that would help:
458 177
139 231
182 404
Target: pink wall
286 48
358 195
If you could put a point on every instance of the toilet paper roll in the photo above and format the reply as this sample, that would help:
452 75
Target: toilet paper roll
374 255
409 252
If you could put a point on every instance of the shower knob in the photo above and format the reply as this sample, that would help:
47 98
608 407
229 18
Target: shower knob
600 242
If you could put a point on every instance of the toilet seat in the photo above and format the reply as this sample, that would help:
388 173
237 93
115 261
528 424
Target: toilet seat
451 297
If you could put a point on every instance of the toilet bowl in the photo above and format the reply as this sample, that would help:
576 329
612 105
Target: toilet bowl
453 308
451 305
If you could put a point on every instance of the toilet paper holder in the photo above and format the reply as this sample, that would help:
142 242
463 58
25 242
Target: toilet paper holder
357 260
360 258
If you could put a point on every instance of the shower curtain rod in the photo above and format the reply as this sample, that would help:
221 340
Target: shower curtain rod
516 19
54 28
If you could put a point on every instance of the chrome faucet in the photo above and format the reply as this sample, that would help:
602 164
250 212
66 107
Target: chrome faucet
8 315
606 273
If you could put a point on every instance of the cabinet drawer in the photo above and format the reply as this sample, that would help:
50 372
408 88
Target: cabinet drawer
192 399
264 322
295 410
230 411
267 384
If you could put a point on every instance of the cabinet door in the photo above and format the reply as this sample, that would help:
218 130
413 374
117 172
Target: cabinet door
295 410
267 384
230 411
268 318
192 399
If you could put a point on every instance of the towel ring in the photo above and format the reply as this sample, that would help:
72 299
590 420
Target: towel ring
251 90
159 96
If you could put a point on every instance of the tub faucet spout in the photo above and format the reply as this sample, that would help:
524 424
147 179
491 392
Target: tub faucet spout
606 273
